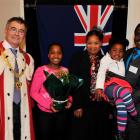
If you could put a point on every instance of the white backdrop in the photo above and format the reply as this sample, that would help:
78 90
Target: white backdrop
8 9
133 19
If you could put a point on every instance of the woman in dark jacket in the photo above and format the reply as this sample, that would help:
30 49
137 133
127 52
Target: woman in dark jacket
89 117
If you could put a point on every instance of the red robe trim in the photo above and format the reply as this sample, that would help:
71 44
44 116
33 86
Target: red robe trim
2 116
2 111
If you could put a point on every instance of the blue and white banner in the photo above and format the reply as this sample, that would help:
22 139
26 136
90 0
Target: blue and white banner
69 25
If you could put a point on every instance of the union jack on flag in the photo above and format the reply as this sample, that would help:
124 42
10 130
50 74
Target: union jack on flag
93 15
69 24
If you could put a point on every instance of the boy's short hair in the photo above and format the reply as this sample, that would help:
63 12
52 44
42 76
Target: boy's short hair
18 20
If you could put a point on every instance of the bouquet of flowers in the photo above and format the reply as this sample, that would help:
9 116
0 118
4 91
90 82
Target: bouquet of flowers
60 86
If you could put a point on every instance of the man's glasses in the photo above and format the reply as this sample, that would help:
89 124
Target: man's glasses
15 30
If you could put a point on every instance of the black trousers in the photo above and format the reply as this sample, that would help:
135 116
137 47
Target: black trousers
51 126
133 127
16 122
94 124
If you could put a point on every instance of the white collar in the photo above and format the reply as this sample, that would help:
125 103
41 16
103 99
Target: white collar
6 45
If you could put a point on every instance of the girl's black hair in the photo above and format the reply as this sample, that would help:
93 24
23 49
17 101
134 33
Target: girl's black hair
95 31
136 28
122 41
55 43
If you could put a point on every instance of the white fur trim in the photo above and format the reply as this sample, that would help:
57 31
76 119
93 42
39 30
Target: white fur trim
9 88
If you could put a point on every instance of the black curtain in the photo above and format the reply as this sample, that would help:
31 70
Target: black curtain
32 42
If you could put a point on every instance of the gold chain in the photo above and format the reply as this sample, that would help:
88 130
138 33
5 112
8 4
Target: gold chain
17 75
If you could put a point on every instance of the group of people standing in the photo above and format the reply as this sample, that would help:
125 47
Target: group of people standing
111 82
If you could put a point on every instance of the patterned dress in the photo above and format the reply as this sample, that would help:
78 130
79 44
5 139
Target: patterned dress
94 69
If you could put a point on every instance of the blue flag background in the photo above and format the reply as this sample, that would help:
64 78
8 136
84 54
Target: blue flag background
60 23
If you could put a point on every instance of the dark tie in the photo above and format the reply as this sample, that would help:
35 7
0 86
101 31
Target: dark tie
17 94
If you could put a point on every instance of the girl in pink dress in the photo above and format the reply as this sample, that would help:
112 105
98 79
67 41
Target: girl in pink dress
51 123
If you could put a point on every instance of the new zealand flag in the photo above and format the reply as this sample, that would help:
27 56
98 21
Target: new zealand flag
69 25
